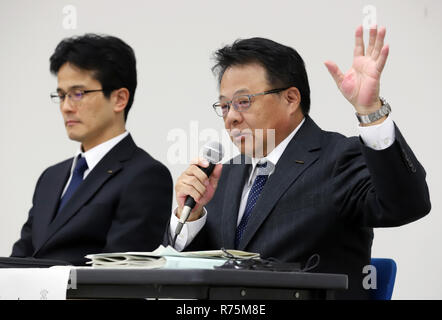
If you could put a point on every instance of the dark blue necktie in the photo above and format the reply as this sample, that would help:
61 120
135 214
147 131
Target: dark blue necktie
77 179
254 193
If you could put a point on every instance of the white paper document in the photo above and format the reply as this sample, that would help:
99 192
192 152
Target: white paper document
168 258
34 283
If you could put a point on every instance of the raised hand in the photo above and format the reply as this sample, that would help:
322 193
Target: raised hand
360 85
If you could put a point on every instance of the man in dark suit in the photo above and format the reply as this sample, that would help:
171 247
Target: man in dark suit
307 191
112 196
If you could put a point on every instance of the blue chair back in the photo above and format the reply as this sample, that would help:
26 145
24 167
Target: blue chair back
386 276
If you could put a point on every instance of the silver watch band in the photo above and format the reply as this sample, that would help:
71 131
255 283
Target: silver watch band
378 114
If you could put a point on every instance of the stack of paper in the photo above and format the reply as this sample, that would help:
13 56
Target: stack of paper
168 257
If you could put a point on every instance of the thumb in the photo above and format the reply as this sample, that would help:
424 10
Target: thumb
333 69
216 174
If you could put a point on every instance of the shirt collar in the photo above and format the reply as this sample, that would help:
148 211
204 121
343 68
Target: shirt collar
273 157
94 155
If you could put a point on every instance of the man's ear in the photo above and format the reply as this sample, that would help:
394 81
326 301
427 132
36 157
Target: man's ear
120 98
293 98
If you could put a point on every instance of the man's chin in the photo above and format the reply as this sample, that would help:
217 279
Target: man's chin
249 150
73 136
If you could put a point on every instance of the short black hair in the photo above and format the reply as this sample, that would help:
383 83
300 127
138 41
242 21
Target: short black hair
284 66
110 58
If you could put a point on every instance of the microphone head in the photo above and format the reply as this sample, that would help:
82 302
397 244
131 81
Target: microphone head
213 151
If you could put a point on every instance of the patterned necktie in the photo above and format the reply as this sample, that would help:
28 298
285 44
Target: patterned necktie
254 193
77 179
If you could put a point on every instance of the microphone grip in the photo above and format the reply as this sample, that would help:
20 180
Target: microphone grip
208 171
190 202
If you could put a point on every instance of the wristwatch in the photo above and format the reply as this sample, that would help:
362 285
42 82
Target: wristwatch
372 117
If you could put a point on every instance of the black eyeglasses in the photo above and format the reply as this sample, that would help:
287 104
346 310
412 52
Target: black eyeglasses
75 95
270 264
240 103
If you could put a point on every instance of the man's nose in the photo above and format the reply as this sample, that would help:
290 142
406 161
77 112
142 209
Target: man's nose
66 105
232 116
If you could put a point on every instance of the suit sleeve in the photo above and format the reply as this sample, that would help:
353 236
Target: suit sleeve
24 247
143 212
384 188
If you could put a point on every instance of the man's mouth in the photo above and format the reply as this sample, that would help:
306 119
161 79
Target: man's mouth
70 123
238 135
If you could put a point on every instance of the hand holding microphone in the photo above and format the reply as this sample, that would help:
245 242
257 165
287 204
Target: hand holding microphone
196 186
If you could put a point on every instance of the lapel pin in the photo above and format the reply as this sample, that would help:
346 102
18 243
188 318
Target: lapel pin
110 171
299 161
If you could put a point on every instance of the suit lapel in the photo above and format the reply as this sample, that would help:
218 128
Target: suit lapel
300 153
48 203
232 199
108 167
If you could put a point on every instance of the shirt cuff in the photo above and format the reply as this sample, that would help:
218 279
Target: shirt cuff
379 136
189 230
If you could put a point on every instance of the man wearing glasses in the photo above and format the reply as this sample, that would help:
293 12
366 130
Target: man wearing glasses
111 196
311 191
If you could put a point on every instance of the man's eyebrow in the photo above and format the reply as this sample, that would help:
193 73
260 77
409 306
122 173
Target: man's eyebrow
236 93
78 86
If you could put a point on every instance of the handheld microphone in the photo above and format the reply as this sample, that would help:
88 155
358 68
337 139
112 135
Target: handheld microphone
213 152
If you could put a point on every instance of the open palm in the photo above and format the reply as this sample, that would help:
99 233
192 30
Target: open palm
360 85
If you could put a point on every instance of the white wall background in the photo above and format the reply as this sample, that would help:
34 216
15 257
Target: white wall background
173 42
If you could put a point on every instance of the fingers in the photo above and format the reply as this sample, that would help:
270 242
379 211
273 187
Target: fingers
195 170
380 64
372 40
194 177
200 162
194 181
183 190
335 72
375 42
359 42
379 44
376 48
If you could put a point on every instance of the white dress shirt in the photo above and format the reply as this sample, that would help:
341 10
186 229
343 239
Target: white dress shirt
94 155
377 137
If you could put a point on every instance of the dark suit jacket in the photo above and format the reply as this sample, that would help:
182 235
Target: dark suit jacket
326 194
122 205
